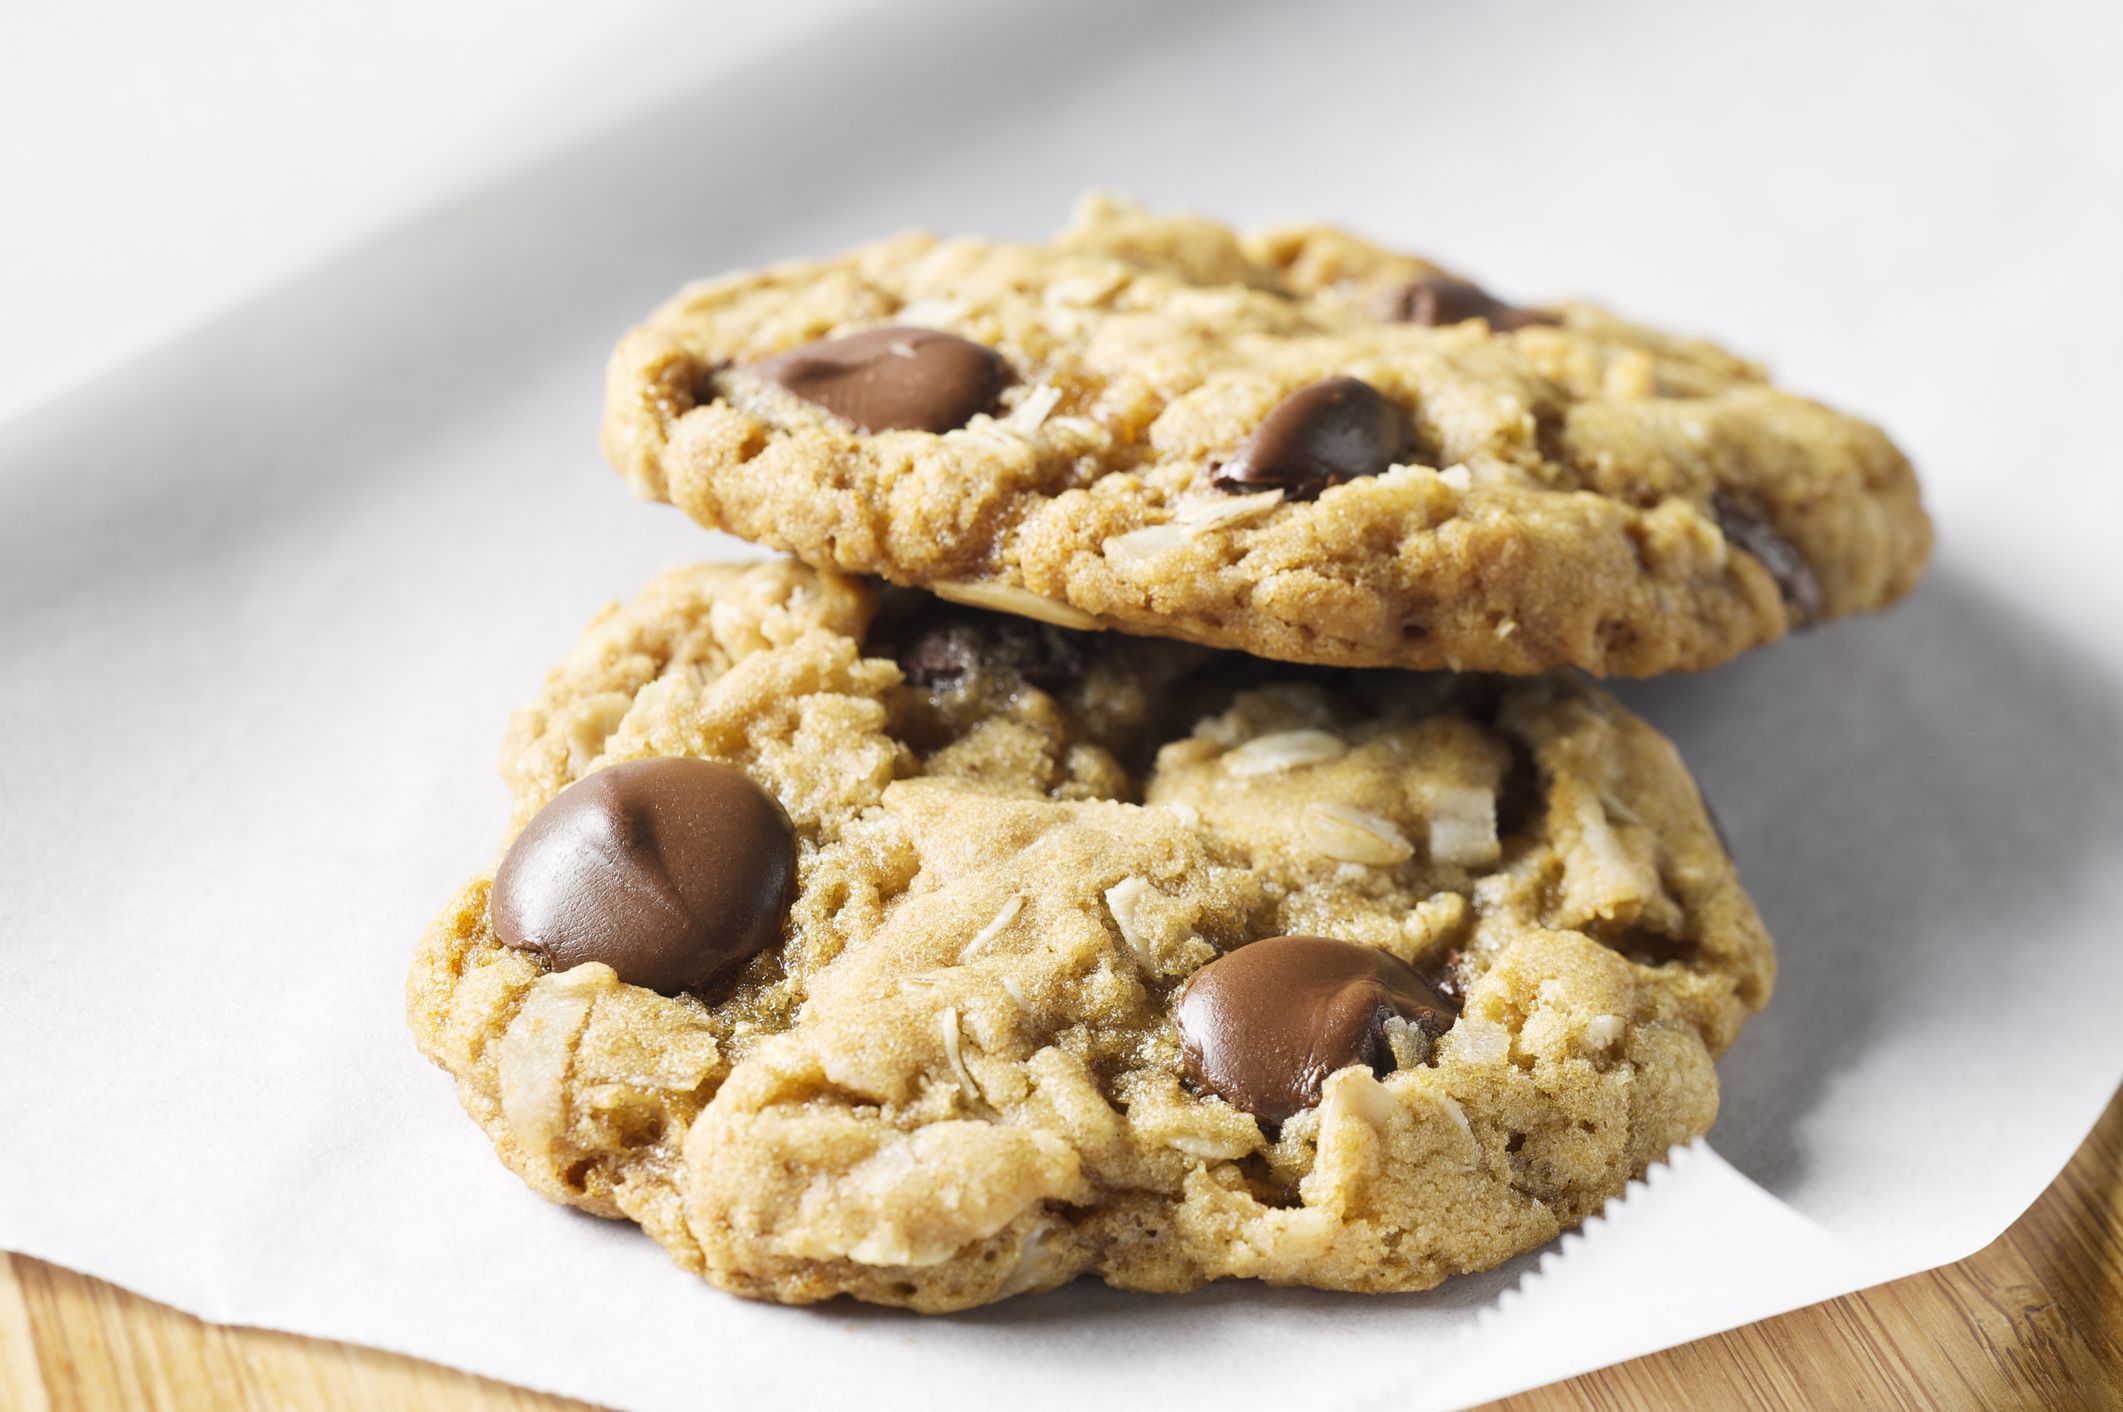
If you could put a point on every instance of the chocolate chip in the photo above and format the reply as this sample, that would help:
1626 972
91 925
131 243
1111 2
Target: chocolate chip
668 871
1263 1026
941 655
1445 299
1319 436
916 379
1794 577
939 645
1451 978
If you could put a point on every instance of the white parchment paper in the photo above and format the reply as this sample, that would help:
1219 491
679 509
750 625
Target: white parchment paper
267 598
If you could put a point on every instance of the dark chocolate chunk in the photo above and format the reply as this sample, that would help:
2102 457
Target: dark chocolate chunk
1319 436
669 871
883 379
940 654
1263 1026
1794 577
939 645
1444 299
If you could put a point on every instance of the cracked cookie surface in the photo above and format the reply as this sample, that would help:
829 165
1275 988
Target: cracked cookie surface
1567 489
958 1073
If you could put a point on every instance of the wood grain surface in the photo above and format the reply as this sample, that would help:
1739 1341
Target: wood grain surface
2034 1321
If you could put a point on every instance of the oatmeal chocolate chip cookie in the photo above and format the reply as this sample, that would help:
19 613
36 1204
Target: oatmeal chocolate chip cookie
1298 445
1103 954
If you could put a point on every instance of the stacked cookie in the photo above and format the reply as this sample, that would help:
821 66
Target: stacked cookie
1152 826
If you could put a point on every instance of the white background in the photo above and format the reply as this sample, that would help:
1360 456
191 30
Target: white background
159 162
268 590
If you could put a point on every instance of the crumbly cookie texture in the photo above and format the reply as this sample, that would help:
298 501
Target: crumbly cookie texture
1575 490
958 1076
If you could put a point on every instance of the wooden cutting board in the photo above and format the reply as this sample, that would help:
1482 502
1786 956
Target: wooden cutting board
2034 1321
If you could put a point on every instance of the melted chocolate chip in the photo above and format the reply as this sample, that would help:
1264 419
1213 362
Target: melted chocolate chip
883 379
1319 436
1794 577
1263 1026
1443 299
669 871
939 645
